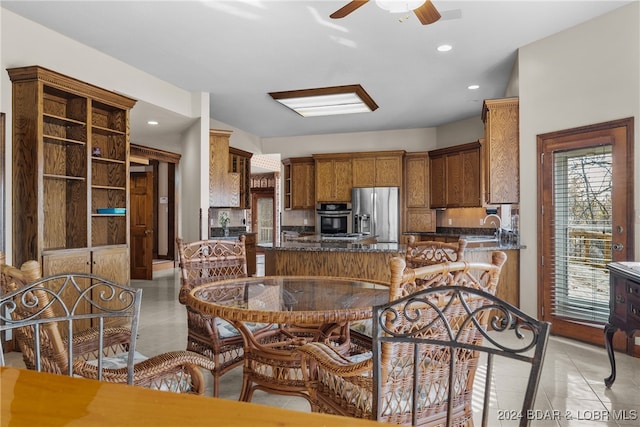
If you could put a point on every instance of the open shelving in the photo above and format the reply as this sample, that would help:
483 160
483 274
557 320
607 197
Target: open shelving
71 158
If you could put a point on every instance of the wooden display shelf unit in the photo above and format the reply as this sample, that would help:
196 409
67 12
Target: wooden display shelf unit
70 157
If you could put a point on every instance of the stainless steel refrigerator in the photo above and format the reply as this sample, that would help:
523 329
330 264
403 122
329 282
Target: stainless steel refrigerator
376 212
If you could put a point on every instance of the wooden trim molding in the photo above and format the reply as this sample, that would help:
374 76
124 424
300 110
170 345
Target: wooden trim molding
139 151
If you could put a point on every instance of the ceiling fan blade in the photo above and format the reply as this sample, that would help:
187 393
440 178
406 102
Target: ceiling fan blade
347 9
427 13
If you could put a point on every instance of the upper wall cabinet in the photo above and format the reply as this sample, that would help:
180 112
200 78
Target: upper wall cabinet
333 177
299 183
70 170
377 169
501 150
224 186
240 163
455 178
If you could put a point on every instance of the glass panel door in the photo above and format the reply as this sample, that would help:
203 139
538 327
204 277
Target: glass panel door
582 232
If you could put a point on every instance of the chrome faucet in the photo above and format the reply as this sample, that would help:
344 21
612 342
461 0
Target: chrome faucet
498 226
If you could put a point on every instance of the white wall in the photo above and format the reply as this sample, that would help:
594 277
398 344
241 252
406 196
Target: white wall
585 75
299 146
462 131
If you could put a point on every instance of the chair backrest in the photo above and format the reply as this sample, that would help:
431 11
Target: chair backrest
48 318
430 346
428 252
485 276
205 261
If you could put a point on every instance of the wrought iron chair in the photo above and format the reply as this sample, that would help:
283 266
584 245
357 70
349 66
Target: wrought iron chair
206 261
455 314
428 252
84 325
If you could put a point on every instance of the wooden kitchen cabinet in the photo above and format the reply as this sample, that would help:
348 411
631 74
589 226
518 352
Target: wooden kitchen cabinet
501 150
111 263
378 169
250 243
70 172
240 163
224 186
418 216
455 176
333 177
437 180
299 183
509 284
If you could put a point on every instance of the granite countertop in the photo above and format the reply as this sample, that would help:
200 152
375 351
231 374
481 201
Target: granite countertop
337 246
494 247
318 238
472 246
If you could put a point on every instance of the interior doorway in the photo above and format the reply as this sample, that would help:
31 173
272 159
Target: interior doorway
141 235
264 220
162 166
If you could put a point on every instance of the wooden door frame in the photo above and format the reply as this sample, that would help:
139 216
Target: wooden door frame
596 131
155 155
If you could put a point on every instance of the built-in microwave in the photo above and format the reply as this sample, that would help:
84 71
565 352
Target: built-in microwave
333 218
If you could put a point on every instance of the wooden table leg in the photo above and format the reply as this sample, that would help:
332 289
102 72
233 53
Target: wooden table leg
609 330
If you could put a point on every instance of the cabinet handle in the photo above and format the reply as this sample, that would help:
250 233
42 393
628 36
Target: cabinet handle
618 247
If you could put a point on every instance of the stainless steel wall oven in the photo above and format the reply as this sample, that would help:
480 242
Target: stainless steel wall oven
334 218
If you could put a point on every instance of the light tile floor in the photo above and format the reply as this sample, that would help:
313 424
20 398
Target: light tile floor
571 385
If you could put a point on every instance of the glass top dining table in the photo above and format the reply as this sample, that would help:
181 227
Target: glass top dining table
276 314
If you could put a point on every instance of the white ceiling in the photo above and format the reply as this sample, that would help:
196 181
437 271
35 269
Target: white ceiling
238 51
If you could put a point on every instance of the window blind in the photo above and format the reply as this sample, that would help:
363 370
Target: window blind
582 226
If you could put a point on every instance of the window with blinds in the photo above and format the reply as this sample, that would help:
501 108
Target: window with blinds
582 222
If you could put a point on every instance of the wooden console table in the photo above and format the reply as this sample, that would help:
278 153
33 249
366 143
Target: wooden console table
624 306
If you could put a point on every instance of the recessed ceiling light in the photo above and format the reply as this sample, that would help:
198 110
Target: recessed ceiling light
152 122
327 101
473 87
444 48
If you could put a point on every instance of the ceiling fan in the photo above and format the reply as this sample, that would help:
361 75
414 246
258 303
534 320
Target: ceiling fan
424 10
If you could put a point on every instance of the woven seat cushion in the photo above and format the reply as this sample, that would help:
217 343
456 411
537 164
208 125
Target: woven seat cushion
364 327
227 330
119 360
355 358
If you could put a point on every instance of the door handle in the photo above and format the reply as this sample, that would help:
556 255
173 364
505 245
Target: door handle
148 231
618 247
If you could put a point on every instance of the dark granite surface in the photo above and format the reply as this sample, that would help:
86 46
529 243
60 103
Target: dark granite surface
473 247
339 247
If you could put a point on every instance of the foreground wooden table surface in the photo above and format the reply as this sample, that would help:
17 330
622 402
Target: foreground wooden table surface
29 398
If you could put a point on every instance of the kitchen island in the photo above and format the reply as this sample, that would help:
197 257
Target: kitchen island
314 256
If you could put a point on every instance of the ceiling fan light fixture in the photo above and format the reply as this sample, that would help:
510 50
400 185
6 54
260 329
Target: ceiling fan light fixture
327 101
399 6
